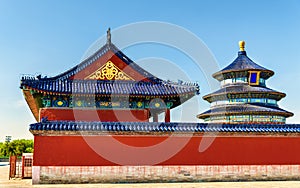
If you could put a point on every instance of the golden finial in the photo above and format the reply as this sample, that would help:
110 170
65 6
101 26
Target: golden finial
242 45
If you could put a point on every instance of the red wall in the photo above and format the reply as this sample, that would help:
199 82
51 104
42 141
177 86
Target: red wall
244 150
68 114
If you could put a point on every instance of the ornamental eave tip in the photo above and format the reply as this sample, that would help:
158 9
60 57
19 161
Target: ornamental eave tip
108 36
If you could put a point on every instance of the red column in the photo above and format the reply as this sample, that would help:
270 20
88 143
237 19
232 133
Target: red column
167 115
12 166
155 117
23 166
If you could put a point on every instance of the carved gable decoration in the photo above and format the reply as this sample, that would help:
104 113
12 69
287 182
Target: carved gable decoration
109 71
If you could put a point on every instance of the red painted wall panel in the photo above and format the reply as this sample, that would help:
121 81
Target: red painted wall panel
68 114
92 150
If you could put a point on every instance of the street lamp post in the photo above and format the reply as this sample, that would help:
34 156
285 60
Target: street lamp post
7 139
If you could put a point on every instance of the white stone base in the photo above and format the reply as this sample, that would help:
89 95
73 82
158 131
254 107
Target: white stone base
123 174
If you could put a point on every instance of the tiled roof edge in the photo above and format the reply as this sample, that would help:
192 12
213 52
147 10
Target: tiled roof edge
162 127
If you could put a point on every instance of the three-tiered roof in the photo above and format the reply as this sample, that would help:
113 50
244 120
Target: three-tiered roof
244 96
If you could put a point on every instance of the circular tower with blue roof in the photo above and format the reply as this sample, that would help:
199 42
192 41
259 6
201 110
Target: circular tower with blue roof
244 96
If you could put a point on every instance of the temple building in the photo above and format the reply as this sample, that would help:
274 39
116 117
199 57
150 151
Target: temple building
244 96
98 123
109 83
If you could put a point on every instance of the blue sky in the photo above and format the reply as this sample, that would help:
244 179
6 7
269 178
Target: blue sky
51 36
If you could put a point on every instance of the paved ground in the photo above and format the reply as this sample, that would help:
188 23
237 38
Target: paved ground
5 183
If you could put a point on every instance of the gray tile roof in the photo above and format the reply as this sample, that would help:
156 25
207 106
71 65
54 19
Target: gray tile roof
102 87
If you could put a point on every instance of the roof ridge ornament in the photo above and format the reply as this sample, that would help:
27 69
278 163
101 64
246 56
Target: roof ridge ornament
242 45
108 36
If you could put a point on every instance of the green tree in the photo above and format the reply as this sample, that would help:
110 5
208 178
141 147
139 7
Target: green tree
16 147
1 146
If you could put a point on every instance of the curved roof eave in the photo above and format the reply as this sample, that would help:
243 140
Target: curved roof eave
243 88
244 109
242 63
101 87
